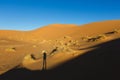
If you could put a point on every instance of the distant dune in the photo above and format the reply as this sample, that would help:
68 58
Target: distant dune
62 42
59 30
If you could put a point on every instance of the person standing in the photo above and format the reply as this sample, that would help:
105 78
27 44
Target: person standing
44 66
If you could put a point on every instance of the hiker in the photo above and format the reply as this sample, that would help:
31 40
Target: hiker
44 60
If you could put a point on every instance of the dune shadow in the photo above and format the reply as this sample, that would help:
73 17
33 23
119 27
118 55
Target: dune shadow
103 63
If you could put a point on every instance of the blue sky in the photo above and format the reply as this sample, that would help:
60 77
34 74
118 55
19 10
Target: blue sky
32 14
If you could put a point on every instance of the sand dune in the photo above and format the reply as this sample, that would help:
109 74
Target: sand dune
62 42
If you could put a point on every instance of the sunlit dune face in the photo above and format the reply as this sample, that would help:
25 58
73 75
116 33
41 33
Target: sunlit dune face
54 44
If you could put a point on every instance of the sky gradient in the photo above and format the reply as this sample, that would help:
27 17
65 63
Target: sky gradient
32 14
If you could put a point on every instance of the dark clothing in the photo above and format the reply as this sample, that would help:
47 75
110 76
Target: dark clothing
44 56
44 61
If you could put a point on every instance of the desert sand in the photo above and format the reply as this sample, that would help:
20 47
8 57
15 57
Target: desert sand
62 43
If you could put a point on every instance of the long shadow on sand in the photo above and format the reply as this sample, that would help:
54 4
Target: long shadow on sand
102 63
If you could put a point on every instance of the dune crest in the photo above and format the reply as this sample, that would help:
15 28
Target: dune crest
62 25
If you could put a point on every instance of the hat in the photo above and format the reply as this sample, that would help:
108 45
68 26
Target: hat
43 51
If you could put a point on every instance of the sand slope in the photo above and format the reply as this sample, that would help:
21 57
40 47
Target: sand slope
62 42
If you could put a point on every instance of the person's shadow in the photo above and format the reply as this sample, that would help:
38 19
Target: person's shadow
102 63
